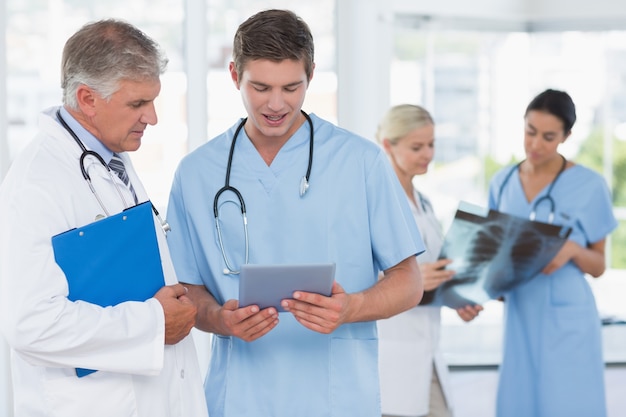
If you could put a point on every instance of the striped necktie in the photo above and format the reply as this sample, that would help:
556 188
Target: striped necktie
117 166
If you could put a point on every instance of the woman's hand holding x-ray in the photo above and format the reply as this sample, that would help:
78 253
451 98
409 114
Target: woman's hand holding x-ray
434 273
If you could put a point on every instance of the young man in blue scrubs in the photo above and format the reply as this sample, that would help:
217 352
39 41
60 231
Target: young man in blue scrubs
320 357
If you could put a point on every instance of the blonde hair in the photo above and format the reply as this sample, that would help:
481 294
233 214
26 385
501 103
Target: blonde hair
400 120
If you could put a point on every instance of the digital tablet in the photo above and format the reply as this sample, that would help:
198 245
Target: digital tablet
267 285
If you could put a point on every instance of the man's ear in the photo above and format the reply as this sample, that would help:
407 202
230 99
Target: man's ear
86 99
233 74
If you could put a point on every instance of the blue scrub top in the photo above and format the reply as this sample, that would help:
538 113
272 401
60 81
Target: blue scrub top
354 214
553 362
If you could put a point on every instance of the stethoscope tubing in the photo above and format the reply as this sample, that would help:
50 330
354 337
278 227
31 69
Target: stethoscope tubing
304 185
547 197
89 153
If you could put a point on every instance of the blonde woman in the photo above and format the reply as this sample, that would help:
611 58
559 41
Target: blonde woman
413 373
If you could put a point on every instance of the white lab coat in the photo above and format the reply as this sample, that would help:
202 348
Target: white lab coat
409 341
44 194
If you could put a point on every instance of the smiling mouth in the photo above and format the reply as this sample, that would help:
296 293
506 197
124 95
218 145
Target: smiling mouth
274 118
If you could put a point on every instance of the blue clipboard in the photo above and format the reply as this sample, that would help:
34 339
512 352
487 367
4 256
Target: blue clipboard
112 260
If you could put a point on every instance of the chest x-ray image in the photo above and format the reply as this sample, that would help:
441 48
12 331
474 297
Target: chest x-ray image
493 252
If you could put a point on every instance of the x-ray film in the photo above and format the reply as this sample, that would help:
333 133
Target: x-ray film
492 253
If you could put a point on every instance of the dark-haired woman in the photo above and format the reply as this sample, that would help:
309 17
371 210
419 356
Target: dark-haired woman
552 363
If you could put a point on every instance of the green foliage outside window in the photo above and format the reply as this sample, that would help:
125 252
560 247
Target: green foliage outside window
591 155
492 166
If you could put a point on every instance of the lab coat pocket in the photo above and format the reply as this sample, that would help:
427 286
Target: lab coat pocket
100 394
354 377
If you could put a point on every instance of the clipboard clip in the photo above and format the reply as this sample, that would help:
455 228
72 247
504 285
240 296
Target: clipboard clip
164 224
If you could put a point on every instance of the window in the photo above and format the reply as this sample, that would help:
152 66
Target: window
34 47
477 83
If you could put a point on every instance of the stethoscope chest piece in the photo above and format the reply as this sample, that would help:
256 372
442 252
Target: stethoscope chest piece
304 186
547 197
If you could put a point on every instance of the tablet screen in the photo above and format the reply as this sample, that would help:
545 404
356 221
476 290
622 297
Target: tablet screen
267 285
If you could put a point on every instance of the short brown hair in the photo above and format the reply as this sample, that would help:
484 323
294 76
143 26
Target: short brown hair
275 35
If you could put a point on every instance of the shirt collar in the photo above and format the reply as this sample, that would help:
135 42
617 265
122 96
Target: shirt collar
89 140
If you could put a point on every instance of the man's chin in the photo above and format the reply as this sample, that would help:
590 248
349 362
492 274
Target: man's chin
132 145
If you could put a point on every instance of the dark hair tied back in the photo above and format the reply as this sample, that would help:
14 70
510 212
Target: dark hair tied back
556 103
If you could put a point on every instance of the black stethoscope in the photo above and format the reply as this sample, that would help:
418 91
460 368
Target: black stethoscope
547 197
304 186
86 153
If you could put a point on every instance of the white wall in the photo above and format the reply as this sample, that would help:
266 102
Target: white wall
579 10
481 9
363 55
4 145
554 10
6 391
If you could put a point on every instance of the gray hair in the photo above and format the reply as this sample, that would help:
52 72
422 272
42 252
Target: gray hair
400 120
103 53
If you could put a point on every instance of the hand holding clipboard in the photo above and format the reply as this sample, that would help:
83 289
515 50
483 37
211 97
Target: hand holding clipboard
112 260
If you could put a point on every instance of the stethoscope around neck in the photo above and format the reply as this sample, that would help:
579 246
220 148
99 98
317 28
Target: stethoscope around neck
87 153
304 186
547 197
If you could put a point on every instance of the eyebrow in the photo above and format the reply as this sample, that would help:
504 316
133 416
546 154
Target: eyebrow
139 101
293 84
548 133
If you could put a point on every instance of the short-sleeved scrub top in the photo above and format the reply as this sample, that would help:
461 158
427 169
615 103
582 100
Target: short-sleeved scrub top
354 214
553 362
